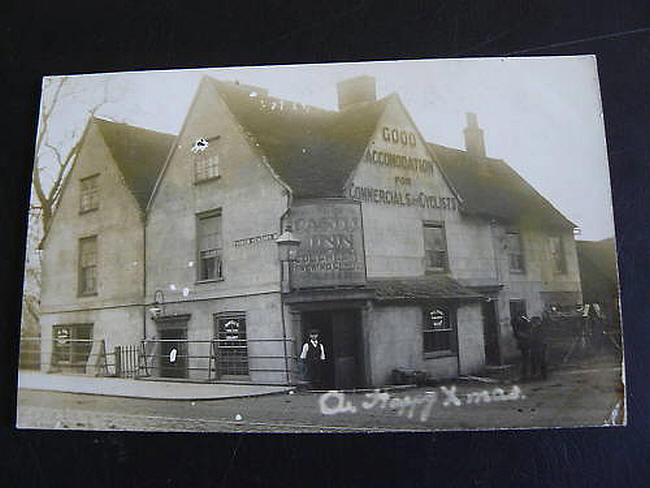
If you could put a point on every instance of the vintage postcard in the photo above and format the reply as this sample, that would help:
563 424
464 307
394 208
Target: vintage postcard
361 247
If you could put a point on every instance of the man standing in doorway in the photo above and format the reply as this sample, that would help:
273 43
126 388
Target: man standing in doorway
313 354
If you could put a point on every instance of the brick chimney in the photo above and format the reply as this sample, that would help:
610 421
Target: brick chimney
474 142
356 90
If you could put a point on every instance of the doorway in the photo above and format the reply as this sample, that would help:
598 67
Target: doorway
491 333
173 351
340 333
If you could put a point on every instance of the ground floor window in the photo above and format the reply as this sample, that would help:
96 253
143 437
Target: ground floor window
71 345
231 344
438 330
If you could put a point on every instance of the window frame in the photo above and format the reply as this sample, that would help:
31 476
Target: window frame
429 329
219 276
83 193
82 291
205 159
562 269
73 346
522 254
430 224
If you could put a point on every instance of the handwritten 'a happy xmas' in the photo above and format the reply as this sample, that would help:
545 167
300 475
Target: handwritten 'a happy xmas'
335 402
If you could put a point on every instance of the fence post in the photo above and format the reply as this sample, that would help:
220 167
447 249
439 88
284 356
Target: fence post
118 361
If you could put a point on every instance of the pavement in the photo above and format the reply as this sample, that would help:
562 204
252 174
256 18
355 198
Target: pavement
586 394
132 388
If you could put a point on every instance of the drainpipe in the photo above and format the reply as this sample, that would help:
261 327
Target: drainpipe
144 278
284 324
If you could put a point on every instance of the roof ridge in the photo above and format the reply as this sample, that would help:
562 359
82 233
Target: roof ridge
245 87
104 119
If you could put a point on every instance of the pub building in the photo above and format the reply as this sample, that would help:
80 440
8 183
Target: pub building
215 251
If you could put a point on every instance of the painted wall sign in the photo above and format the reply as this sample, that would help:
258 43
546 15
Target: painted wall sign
393 160
402 199
331 244
398 136
249 241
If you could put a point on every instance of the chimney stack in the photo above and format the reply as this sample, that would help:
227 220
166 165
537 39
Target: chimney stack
356 90
474 142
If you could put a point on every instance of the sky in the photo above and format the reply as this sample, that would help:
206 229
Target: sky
542 115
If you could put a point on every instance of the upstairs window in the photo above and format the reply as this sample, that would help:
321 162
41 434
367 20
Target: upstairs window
438 331
558 258
206 167
88 266
435 247
209 246
89 194
515 252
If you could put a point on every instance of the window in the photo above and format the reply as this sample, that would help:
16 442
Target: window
232 347
206 168
438 331
71 345
435 247
557 254
209 246
89 194
515 252
88 266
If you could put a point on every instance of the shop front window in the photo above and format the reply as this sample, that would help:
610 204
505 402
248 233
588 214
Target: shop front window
438 331
231 344
71 345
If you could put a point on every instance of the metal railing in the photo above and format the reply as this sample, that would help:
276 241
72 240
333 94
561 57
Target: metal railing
217 359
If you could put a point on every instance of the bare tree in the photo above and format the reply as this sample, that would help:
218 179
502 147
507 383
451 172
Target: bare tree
63 156
52 161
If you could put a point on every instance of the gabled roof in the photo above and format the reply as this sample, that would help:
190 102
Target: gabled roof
312 150
420 288
490 187
139 154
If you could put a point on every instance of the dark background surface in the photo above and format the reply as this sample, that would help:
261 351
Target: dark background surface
80 37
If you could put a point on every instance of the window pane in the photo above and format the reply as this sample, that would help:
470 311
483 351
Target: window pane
232 346
89 193
437 333
88 265
210 232
206 168
435 247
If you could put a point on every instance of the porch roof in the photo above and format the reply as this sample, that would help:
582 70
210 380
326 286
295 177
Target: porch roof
433 287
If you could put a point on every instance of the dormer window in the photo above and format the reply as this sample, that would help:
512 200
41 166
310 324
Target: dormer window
89 194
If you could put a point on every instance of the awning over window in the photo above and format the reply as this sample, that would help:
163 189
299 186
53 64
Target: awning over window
433 287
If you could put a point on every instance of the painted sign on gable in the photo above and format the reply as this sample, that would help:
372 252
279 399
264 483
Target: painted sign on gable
331 249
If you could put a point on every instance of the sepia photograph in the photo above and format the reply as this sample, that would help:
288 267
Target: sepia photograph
355 247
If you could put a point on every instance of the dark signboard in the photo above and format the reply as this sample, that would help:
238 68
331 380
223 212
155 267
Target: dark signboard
331 249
